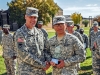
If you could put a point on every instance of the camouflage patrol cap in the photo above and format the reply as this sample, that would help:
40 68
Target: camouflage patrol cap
70 23
58 19
95 23
40 22
30 11
6 26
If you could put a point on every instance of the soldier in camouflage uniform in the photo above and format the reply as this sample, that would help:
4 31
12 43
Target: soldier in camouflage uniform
39 25
70 29
8 51
85 38
93 36
30 44
66 49
96 69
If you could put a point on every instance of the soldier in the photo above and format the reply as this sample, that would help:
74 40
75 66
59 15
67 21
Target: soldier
0 34
39 25
8 50
30 43
85 38
93 36
96 69
70 29
66 50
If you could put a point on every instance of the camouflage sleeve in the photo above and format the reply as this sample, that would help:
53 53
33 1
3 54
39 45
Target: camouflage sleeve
86 41
24 54
80 38
47 51
79 53
12 46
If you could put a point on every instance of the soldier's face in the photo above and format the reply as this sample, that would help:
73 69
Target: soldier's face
60 28
70 28
95 28
39 26
30 21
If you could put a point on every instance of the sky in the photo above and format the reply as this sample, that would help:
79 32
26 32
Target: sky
85 7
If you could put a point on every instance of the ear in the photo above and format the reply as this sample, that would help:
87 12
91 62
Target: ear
25 16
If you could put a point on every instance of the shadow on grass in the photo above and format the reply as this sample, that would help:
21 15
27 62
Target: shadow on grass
88 57
86 67
87 73
4 73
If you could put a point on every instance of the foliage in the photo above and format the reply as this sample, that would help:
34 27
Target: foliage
47 9
85 22
76 17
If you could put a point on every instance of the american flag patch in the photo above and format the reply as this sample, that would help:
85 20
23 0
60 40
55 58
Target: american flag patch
20 40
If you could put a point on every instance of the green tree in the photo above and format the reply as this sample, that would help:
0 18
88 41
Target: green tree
76 17
47 9
85 22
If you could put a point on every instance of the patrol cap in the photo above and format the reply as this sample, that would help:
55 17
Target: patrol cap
40 22
58 19
70 23
30 11
95 23
6 26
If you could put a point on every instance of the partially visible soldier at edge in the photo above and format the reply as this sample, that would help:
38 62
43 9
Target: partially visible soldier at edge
8 50
96 69
1 33
39 25
66 49
93 36
30 43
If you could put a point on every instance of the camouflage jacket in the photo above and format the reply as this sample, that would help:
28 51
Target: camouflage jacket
69 49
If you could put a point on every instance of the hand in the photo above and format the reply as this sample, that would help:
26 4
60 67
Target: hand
47 66
95 44
61 64
14 57
52 63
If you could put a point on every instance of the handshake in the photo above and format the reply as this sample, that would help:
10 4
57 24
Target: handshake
55 63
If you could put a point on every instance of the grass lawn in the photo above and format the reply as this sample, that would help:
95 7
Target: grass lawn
86 66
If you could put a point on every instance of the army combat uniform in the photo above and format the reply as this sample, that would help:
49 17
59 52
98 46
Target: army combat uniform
30 51
96 69
8 53
77 34
93 37
69 49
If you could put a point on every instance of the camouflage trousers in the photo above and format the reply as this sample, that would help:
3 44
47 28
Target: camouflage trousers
64 71
96 63
9 63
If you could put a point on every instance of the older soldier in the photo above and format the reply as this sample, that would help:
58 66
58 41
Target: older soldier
39 25
85 38
93 36
66 49
96 69
30 46
8 50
